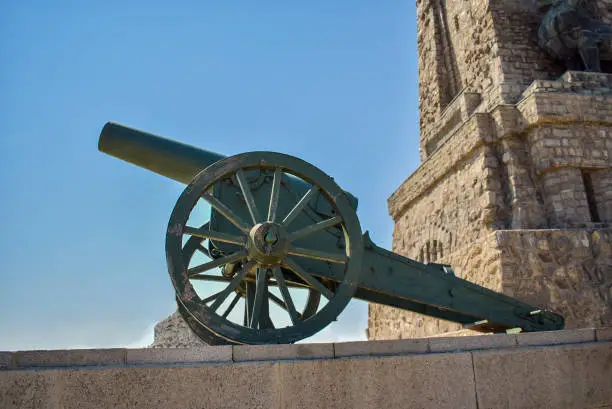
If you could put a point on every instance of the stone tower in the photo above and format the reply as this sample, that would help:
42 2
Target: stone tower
515 185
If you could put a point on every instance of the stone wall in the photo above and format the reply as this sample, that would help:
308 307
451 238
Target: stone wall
518 166
488 47
601 182
520 58
558 369
568 270
468 46
508 141
451 214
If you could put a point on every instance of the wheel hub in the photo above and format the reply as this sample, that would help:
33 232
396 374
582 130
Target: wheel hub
267 244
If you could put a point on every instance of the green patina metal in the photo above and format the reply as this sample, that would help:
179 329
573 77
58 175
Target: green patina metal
279 225
568 31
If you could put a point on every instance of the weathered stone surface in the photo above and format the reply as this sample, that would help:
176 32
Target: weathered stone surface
415 381
489 48
241 353
425 381
575 336
28 390
443 344
381 348
408 375
173 332
603 334
179 355
69 357
553 377
5 359
508 141
567 271
165 387
280 352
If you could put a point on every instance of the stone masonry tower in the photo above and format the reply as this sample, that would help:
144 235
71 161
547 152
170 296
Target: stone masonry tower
515 185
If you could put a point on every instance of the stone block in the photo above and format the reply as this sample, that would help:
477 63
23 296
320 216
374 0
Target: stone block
179 355
603 334
282 352
448 344
170 387
74 357
381 348
556 377
5 359
412 381
27 390
572 336
173 332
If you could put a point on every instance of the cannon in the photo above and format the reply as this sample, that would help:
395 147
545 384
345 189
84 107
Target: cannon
265 248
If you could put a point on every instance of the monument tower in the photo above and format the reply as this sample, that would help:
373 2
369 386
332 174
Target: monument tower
515 185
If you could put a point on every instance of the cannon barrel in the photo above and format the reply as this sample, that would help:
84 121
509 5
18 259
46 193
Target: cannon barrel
175 160
172 159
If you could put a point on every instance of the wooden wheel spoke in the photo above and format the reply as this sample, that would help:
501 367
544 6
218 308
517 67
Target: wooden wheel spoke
277 300
226 212
316 284
232 305
264 317
208 277
211 297
261 293
214 235
222 295
339 258
313 228
239 255
274 194
248 197
248 303
281 303
282 286
300 205
289 284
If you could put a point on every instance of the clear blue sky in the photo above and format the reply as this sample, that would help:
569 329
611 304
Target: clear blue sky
82 247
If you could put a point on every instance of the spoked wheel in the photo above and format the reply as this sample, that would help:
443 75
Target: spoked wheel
286 250
195 246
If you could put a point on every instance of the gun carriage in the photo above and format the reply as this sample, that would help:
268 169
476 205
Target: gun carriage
282 252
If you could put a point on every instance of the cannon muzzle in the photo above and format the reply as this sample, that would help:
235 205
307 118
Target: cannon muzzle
175 160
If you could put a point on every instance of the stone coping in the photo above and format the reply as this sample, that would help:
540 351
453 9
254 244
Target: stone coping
117 357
